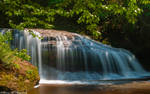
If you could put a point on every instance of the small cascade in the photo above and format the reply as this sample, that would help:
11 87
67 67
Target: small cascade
71 57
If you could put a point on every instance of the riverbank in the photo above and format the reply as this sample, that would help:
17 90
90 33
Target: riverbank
19 76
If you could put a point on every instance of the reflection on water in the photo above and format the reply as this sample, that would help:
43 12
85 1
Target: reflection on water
92 89
67 89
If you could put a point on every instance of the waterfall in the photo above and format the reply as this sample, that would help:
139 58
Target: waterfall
72 57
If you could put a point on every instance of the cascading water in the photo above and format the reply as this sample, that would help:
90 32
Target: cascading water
71 57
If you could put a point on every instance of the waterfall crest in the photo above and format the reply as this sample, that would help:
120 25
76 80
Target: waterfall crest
72 57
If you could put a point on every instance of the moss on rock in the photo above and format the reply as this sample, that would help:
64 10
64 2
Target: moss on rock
18 76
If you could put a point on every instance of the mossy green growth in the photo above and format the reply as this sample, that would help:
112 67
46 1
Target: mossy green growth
22 76
14 71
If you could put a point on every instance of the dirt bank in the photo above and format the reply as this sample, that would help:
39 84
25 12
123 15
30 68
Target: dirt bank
18 76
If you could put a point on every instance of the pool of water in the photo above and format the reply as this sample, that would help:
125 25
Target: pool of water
128 88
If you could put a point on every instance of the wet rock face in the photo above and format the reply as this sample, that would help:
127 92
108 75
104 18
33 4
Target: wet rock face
50 37
53 33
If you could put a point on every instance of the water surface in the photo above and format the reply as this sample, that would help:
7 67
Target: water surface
128 88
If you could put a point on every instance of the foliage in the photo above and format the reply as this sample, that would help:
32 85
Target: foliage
26 14
31 74
19 79
16 66
95 13
7 54
94 16
34 34
22 54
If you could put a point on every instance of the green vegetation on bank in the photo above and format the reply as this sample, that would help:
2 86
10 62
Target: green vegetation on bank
15 73
19 76
7 54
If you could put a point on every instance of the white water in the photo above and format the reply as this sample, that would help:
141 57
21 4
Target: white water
77 60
